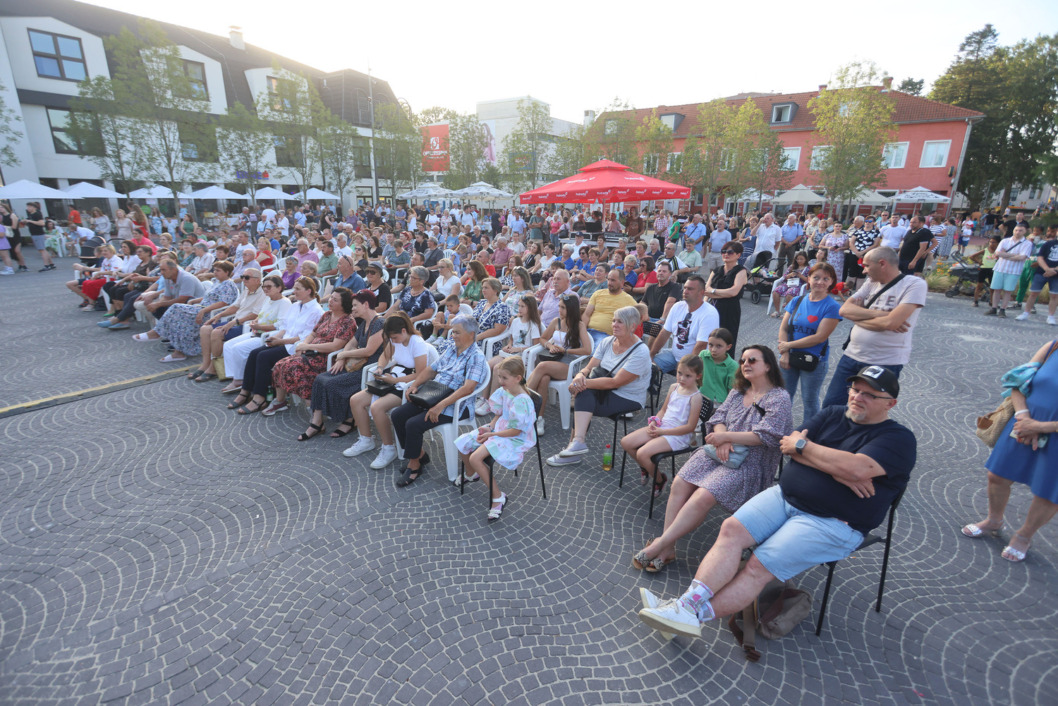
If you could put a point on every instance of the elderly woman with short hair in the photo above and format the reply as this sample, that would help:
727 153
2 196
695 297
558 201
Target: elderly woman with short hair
214 333
333 388
628 360
415 300
461 368
236 350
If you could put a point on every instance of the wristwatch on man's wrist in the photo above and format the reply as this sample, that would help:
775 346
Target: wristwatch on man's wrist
799 447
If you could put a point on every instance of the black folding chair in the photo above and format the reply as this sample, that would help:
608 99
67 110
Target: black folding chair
654 389
708 407
651 328
538 403
870 539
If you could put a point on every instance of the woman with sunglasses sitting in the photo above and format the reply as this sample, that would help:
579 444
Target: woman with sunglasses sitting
739 461
238 349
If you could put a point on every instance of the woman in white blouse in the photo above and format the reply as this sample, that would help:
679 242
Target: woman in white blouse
269 318
447 282
298 323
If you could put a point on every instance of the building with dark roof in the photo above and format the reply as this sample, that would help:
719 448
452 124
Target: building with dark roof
928 149
48 46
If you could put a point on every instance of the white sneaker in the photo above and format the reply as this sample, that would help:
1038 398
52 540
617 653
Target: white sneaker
1023 316
671 616
386 456
650 600
1051 321
540 426
575 448
364 443
7 271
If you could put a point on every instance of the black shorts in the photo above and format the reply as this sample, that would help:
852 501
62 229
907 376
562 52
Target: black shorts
984 275
905 266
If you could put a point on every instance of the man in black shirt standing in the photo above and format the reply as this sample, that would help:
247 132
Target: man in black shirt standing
848 465
917 245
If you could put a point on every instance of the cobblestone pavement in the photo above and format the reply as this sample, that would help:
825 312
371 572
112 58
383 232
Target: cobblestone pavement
155 548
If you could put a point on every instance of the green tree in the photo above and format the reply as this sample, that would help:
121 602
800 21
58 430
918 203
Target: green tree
702 161
654 139
531 137
110 139
246 146
467 141
613 135
753 153
8 132
342 144
435 114
299 119
768 165
569 154
853 121
398 145
912 86
156 92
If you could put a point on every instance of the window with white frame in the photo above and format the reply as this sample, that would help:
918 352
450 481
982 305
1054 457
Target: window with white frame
935 153
669 120
819 154
791 158
894 155
727 159
674 163
194 73
650 164
57 56
781 113
610 128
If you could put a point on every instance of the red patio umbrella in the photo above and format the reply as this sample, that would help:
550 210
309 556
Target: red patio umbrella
606 182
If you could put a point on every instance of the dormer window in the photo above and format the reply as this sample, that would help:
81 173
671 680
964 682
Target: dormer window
672 120
783 112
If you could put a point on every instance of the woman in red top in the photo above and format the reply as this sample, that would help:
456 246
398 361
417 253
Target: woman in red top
264 252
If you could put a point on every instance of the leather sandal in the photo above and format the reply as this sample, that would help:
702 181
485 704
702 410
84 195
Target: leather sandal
409 476
639 559
338 433
305 436
245 409
239 401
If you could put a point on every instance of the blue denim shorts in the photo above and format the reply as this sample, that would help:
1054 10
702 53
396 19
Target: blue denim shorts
789 540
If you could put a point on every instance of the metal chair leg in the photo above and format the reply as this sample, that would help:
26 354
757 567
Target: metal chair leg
885 563
540 462
826 598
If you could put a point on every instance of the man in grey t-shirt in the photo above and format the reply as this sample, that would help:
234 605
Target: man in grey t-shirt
177 286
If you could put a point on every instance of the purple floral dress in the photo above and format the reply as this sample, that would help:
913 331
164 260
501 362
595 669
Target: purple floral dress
733 486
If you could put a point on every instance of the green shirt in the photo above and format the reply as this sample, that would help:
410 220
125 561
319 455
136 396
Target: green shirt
717 379
691 258
327 263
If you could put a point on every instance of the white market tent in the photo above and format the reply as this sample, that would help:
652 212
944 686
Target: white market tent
84 190
799 194
483 191
24 189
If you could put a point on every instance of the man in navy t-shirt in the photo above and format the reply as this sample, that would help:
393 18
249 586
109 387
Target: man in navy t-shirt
848 465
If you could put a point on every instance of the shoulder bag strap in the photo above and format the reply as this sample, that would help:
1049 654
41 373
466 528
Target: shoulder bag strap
624 357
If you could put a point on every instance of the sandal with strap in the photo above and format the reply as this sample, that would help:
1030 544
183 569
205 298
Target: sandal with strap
639 559
496 512
245 409
338 433
305 436
976 531
1014 555
239 401
195 374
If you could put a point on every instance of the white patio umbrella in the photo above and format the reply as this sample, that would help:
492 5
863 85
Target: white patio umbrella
315 194
218 192
483 191
869 197
157 192
270 193
755 196
430 190
799 194
921 194
25 189
84 190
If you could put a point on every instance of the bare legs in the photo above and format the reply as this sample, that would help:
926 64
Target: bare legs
733 589
360 405
475 463
687 508
1040 512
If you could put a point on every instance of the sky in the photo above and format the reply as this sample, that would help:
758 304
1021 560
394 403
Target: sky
579 56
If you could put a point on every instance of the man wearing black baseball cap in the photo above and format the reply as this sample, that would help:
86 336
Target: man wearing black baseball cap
847 466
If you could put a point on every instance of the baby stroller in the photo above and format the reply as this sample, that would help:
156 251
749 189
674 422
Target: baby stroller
964 273
762 277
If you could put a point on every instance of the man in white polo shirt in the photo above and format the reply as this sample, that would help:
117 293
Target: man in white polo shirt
689 324
768 235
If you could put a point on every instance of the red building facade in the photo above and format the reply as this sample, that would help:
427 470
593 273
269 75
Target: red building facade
927 150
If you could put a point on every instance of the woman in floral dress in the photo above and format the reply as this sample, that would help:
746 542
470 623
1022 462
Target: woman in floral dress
182 322
756 414
492 316
836 243
295 374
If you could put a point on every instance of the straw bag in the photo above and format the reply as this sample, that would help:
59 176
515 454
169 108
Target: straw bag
990 426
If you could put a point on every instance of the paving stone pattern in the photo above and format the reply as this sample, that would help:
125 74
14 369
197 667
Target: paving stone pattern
156 548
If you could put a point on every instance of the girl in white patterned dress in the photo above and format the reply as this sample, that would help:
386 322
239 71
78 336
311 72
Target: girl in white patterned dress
507 437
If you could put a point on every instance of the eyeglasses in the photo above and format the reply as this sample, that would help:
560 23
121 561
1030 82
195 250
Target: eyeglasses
750 361
728 252
864 393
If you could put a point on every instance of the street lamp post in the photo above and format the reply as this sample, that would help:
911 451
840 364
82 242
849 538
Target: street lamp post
371 142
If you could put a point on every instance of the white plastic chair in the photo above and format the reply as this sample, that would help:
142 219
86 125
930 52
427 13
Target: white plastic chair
486 344
559 387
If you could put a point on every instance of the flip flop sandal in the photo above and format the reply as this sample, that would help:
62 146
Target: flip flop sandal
206 377
230 389
975 532
170 359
